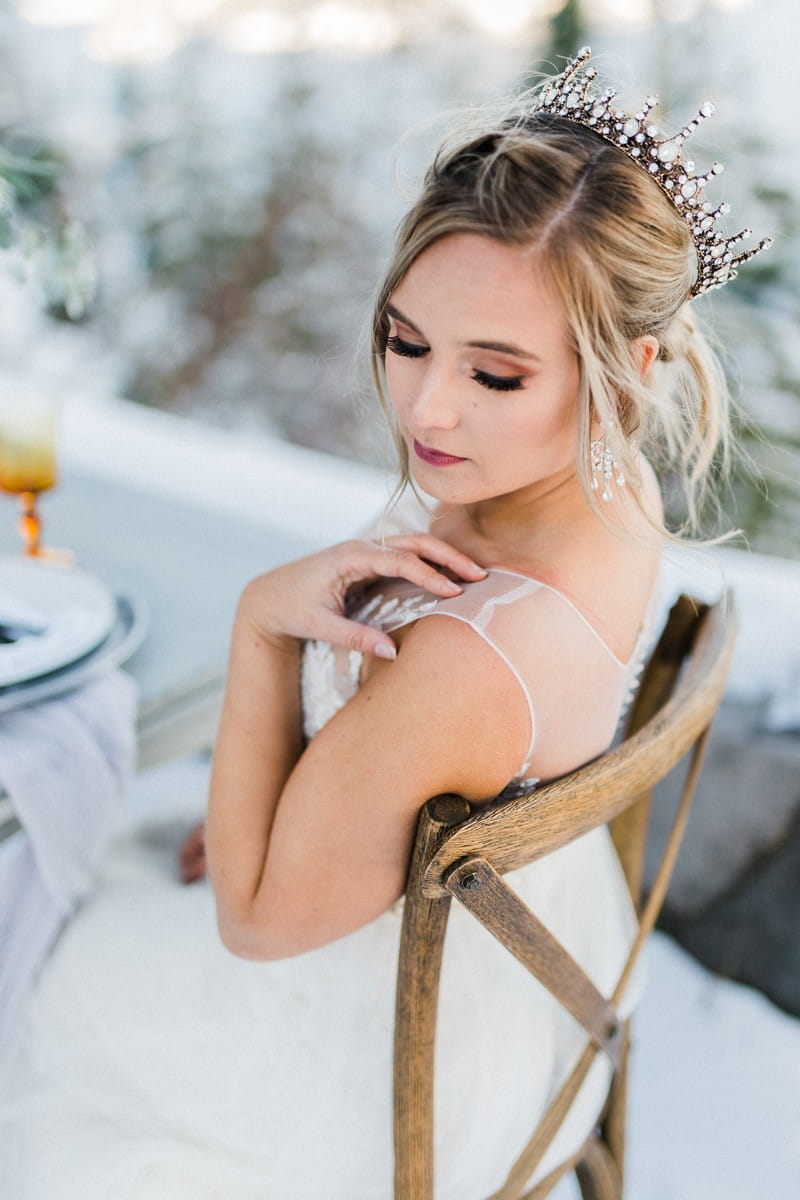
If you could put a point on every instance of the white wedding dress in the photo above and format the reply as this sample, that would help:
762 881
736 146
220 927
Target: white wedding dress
156 1066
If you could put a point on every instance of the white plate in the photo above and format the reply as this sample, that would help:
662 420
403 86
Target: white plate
76 609
127 634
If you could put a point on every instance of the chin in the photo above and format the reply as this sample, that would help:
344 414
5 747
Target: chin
450 493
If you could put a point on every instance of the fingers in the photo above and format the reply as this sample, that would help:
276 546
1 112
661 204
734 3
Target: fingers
425 545
412 557
192 856
306 599
354 636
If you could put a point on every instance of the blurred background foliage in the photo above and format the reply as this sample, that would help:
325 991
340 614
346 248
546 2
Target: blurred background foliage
37 240
233 164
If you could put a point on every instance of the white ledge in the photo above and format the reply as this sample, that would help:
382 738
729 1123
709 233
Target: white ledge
257 478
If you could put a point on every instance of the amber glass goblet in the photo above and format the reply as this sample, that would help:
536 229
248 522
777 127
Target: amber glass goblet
28 464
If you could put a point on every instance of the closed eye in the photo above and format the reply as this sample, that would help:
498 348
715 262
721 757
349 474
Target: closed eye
405 349
498 383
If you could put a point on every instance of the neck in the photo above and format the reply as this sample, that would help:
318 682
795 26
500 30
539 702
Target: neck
529 523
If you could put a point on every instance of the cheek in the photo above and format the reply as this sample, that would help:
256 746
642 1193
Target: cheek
549 427
563 410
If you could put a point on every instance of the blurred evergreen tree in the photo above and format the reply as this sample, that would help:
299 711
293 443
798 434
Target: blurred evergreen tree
757 320
36 238
567 31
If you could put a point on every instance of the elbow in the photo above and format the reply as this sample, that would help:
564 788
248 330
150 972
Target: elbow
244 939
245 929
249 937
243 945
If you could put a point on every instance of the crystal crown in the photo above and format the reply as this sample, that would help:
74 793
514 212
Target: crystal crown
571 96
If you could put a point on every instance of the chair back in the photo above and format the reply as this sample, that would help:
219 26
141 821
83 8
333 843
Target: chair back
463 854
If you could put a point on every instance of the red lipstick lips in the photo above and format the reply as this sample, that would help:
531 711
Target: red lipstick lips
435 457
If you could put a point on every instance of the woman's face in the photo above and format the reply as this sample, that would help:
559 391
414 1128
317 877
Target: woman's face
480 371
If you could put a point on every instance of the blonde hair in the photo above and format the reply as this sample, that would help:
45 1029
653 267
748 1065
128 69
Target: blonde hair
623 263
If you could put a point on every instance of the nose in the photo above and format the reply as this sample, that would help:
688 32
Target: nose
435 403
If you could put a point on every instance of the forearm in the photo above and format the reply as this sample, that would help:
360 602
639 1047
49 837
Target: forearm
260 739
259 742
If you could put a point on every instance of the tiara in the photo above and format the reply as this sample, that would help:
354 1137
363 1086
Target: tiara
572 97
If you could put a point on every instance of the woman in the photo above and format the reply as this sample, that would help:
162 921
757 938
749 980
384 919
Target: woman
533 338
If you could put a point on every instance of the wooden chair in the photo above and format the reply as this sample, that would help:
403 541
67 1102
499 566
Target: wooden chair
464 854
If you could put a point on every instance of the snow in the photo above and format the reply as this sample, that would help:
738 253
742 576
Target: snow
317 497
716 1080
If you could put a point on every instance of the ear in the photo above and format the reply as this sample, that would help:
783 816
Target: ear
645 350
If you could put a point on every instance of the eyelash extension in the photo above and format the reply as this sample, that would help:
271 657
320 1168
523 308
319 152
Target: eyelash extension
499 383
405 349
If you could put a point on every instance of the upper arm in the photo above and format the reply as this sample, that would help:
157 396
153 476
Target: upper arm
447 715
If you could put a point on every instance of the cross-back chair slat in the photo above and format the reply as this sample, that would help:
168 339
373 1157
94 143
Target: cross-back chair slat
464 854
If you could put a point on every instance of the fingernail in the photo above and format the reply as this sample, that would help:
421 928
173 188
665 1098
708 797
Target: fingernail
453 587
384 651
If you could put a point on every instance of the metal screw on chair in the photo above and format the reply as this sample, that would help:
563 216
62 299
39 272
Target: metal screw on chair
471 882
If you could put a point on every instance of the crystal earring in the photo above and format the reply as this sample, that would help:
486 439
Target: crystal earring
604 468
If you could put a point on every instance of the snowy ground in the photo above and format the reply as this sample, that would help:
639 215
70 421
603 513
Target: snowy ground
716 1080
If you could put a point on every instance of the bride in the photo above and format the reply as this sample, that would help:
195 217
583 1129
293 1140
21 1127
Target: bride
533 339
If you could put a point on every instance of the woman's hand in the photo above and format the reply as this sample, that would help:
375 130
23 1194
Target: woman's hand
192 855
305 599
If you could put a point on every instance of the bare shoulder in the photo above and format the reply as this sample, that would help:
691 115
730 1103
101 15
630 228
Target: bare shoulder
452 696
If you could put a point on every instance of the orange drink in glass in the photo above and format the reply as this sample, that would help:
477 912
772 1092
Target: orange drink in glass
28 463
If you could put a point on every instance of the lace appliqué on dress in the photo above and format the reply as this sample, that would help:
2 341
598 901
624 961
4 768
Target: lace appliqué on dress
391 614
328 679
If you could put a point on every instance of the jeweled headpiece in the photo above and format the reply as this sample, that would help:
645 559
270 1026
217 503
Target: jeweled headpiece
571 96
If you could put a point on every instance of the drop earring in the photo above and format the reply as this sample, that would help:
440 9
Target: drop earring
605 468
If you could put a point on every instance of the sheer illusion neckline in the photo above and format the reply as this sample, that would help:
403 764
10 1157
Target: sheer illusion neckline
624 663
644 624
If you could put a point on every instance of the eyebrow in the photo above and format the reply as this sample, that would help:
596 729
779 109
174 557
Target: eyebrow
500 347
